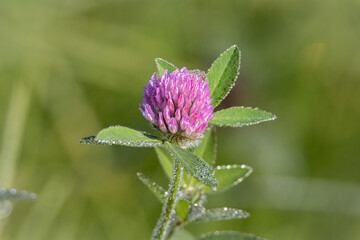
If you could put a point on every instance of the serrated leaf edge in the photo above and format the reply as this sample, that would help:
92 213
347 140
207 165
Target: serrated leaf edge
237 70
244 124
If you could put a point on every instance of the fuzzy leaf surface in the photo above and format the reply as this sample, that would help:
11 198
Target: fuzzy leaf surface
223 73
158 191
220 214
240 116
229 176
207 147
194 165
162 64
124 136
228 235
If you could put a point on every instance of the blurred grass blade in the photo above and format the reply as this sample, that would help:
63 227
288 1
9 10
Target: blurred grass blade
42 216
162 64
207 147
220 214
240 116
229 176
228 235
158 191
13 132
14 195
124 136
223 73
194 165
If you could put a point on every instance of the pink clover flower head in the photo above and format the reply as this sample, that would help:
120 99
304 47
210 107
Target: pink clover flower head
178 104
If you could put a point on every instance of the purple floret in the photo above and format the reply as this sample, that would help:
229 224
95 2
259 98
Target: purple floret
178 104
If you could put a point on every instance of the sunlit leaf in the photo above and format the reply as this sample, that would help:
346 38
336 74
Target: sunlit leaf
162 64
229 176
194 165
228 235
124 136
220 214
158 191
223 73
207 147
240 116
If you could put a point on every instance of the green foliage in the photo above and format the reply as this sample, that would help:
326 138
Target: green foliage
182 209
221 214
162 64
229 176
240 116
124 136
228 235
223 73
207 147
194 165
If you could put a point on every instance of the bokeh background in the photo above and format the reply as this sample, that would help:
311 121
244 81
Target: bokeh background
70 68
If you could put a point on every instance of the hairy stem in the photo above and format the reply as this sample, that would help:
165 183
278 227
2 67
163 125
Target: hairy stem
163 226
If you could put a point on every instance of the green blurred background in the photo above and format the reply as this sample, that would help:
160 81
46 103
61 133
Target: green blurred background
70 68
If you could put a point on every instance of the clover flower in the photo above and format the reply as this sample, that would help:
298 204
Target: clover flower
178 104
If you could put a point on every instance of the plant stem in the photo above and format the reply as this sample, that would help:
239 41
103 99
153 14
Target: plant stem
163 226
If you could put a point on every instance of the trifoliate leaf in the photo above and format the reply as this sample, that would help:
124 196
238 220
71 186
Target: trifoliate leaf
124 136
158 191
229 176
162 64
194 165
223 73
240 116
228 235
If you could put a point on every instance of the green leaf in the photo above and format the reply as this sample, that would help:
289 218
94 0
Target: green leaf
223 73
123 136
166 162
159 192
228 235
15 195
240 116
220 214
229 176
182 209
182 234
207 147
194 165
162 64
